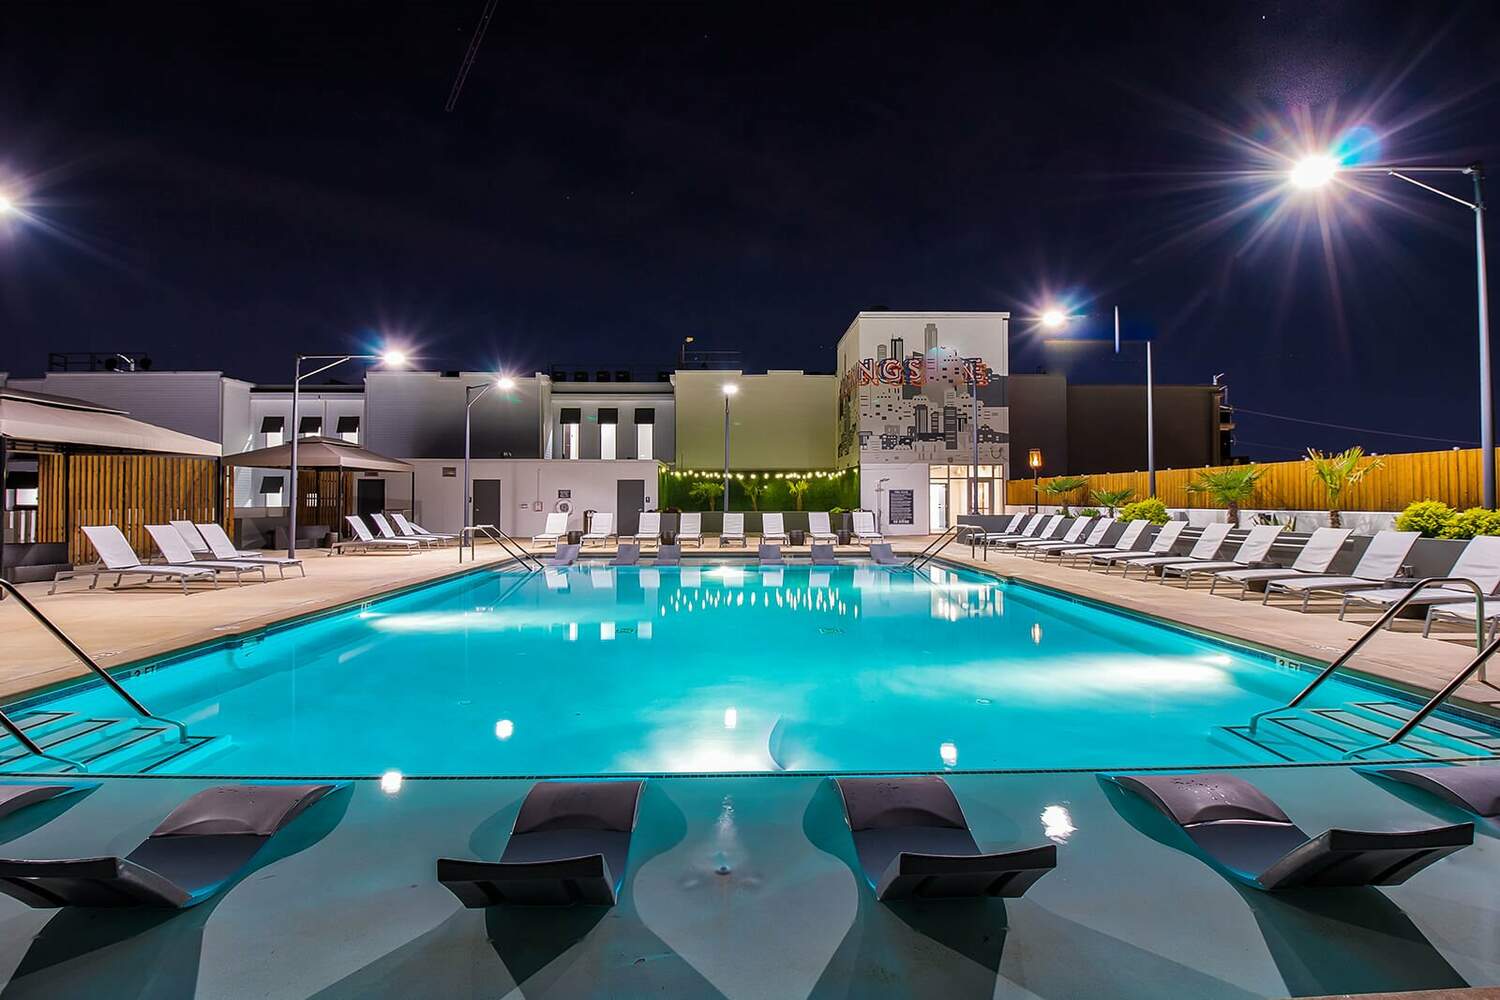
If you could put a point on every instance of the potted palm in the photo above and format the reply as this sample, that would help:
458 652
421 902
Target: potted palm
1337 472
1230 487
1063 488
1110 499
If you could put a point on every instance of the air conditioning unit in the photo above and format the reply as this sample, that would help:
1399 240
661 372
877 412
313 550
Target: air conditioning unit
564 507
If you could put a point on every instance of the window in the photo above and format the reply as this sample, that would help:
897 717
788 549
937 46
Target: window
310 426
271 488
643 442
348 429
273 428
572 416
609 421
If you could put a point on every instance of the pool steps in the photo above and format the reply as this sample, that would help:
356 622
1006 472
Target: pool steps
105 745
1329 733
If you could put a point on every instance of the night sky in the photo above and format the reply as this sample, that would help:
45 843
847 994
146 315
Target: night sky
221 185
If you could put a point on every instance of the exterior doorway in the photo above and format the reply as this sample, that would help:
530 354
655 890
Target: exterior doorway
937 507
487 501
369 497
630 500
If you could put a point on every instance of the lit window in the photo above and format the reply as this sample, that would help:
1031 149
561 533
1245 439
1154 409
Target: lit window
644 446
570 441
606 441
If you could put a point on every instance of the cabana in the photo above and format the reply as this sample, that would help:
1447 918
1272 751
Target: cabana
325 468
67 462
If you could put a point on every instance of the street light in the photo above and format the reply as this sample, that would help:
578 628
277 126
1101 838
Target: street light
729 390
1054 319
394 358
1316 171
7 205
1034 459
502 382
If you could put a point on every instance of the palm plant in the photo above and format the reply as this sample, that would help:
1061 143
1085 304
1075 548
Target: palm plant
1063 488
1110 499
706 491
754 490
1231 486
798 490
1337 472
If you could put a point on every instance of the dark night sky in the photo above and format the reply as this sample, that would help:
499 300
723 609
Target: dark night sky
221 185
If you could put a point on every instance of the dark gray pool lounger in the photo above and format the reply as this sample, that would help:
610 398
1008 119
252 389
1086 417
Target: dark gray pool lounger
770 554
192 854
1475 787
669 555
822 554
565 555
626 555
569 845
914 843
1243 831
15 797
882 554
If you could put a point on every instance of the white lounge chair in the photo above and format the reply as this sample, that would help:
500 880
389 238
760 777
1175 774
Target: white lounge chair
1462 613
222 548
601 529
1124 545
196 543
1046 550
411 529
1479 562
1044 529
1381 561
733 530
1160 546
865 531
773 528
1205 548
1014 525
818 528
365 541
1070 537
649 530
690 529
117 557
389 534
553 531
177 553
1252 551
1316 556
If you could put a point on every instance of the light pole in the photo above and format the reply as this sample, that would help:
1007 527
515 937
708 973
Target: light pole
393 358
1034 459
502 382
729 390
1316 171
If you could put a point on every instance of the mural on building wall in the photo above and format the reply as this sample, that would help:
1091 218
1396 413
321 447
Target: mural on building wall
919 406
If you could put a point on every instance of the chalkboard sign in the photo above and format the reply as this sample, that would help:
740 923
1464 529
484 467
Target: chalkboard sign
903 509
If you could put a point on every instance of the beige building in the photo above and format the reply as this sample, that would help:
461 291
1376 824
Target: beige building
782 420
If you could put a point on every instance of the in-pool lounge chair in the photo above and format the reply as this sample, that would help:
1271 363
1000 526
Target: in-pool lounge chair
1124 545
570 844
1474 787
1204 549
553 531
1381 561
1043 529
1243 832
1316 556
669 555
822 555
1479 561
221 547
191 854
649 529
565 555
690 529
628 554
881 553
176 552
411 529
1093 540
1069 537
1166 537
818 528
18 795
913 842
865 531
733 531
117 557
601 529
773 528
389 534
770 555
365 541
1253 550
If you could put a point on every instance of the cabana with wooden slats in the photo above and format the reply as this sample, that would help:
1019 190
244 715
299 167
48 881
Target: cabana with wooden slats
325 468
91 464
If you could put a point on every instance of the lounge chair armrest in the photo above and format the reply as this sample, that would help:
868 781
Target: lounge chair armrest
914 875
106 881
586 879
1356 857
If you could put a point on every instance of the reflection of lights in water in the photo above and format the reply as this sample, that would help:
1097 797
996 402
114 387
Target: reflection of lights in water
643 630
1057 824
1036 633
731 717
1219 659
390 782
949 753
606 631
572 631
504 729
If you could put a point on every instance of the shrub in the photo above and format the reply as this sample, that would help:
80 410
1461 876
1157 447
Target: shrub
1088 512
1151 509
838 510
1474 521
1430 517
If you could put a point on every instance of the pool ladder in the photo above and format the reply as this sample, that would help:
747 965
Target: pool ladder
934 547
497 535
1477 664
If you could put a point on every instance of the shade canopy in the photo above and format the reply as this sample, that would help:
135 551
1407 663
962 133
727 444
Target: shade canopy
58 420
318 453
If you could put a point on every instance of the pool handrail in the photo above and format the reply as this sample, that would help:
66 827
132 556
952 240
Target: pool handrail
497 535
1476 664
933 548
1380 623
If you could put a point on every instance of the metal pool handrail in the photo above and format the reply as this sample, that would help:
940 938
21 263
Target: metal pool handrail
88 661
1477 663
1380 623
497 535
933 548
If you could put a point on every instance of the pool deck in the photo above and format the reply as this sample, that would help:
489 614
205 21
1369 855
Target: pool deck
138 622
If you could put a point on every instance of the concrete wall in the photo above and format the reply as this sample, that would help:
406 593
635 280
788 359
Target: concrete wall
525 483
190 402
1107 427
421 415
1039 419
779 420
626 398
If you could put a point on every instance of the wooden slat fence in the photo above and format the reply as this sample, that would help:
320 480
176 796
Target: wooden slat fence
1451 476
129 491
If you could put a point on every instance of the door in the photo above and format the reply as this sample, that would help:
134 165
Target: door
369 497
487 501
630 500
937 506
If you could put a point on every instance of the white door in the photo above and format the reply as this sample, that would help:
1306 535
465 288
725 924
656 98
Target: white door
937 507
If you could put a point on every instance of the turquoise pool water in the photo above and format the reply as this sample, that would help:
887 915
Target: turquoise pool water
721 668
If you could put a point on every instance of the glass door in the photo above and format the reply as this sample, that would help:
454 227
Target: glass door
937 506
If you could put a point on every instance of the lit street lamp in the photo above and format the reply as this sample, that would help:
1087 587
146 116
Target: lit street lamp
1316 171
1034 459
472 395
392 358
729 390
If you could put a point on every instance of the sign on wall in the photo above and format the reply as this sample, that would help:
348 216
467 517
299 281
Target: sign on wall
564 494
902 507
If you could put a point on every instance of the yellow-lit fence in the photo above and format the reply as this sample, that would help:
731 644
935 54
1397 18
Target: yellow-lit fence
1450 476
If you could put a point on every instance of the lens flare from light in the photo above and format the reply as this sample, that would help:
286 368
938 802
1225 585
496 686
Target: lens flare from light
1054 319
1314 171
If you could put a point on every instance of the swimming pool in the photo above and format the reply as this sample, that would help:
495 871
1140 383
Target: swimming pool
725 668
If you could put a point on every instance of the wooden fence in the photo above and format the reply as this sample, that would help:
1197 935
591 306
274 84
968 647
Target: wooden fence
129 491
1451 476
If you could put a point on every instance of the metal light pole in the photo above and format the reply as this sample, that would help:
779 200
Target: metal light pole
1316 171
729 390
471 397
334 360
974 476
1150 426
